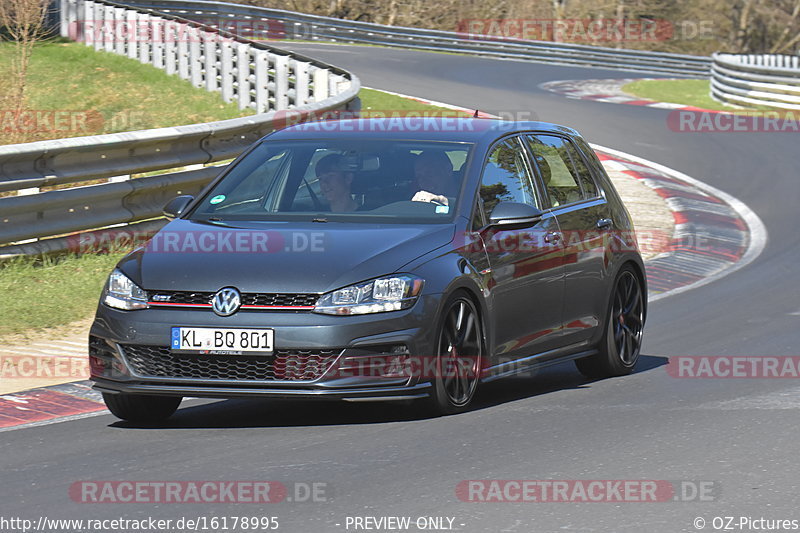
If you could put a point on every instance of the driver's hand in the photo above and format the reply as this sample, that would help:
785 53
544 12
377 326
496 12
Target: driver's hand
425 196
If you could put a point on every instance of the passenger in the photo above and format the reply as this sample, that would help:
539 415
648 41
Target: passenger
558 195
434 174
335 183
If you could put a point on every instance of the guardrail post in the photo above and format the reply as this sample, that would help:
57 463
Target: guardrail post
110 25
69 19
281 82
99 20
243 75
170 47
321 85
145 37
86 10
63 18
133 38
333 83
195 58
262 79
183 51
211 51
157 30
226 46
121 35
301 82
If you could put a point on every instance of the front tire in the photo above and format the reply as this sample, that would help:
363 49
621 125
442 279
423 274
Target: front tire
141 408
459 354
622 338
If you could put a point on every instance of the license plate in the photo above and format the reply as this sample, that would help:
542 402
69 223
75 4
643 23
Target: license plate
222 341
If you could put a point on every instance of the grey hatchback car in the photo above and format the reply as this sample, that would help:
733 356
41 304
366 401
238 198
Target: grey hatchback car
362 260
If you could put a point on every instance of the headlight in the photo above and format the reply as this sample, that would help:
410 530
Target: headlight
122 293
391 293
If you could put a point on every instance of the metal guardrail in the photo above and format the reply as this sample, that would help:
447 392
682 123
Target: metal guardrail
764 80
79 159
280 24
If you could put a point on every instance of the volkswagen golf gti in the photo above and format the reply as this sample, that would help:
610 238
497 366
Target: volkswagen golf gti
361 260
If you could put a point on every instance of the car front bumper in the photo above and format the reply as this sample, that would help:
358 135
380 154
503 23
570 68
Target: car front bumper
129 354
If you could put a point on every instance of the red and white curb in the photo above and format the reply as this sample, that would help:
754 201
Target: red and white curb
47 405
715 235
610 91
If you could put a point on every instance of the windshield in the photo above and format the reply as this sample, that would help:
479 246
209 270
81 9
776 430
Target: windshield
352 180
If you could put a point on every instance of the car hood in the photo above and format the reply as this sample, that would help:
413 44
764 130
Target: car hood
277 257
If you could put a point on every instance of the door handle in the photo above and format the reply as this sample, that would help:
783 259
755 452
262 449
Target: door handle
552 237
604 223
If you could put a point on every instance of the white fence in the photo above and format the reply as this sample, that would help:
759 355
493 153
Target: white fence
761 80
255 77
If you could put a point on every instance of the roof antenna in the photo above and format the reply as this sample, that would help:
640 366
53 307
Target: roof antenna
476 114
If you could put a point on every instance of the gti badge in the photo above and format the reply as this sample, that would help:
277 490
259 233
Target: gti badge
226 301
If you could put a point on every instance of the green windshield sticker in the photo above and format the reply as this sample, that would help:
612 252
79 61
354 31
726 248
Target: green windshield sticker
217 199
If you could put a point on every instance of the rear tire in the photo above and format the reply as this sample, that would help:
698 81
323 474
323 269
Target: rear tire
141 408
622 337
459 353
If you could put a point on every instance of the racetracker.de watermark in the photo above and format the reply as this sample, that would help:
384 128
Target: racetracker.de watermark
694 121
202 241
734 367
581 30
69 121
30 367
179 492
576 241
374 120
160 31
586 491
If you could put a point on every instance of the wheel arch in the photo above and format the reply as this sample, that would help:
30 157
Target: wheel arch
473 292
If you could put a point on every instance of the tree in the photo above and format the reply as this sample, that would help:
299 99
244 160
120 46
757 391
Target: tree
23 22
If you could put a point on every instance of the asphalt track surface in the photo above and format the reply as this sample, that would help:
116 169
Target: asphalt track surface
379 460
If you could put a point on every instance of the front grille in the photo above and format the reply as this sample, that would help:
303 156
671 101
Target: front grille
194 298
287 299
283 365
248 298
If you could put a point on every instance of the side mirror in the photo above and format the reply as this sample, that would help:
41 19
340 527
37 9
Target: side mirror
175 207
511 215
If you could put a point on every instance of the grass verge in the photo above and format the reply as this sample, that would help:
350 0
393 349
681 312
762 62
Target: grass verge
37 293
96 92
379 101
686 92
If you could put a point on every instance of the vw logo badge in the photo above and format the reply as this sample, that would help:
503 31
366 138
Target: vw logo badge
226 301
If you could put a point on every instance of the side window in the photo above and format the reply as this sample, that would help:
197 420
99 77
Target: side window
478 218
581 171
258 185
309 189
506 178
557 161
591 158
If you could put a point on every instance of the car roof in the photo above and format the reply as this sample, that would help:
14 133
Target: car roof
452 129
